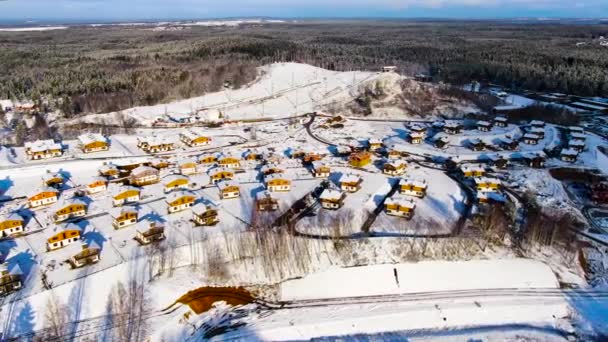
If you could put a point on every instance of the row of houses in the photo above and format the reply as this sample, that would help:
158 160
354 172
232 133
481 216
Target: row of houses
47 149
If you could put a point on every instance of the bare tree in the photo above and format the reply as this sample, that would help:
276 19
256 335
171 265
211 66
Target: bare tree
56 319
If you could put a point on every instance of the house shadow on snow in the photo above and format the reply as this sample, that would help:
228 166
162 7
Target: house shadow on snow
5 185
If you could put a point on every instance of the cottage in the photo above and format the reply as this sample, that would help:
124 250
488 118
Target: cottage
89 254
332 199
208 158
397 151
149 231
93 142
509 144
109 171
576 129
531 139
43 149
270 169
417 128
350 182
320 170
126 167
42 197
342 151
219 174
453 127
578 136
473 170
295 153
68 209
269 157
488 197
360 159
125 194
123 217
484 126
416 138
537 123
390 68
487 184
413 187
577 145
535 160
180 200
400 207
10 279
205 214
497 160
265 202
96 185
477 144
175 182
11 224
159 163
313 156
155 144
194 138
538 131
374 144
501 121
67 235
228 189
394 167
229 161
53 179
187 167
144 175
252 155
277 183
569 155
441 141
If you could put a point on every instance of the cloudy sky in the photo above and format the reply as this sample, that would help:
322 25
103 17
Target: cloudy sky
195 9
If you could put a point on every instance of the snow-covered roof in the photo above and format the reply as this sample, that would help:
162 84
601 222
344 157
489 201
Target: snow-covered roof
96 179
174 196
225 184
331 194
51 175
487 180
476 141
453 124
532 155
10 217
116 190
269 167
500 119
417 127
484 123
317 164
172 178
186 161
401 201
117 212
576 143
41 190
275 176
419 183
108 167
415 135
146 224
350 178
579 136
263 195
537 130
396 162
88 138
507 141
531 136
64 202
193 133
156 140
374 141
537 123
569 152
472 168
442 137
495 196
201 208
399 148
577 129
216 170
43 145
143 169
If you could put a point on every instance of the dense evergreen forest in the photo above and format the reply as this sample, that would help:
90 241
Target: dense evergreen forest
98 69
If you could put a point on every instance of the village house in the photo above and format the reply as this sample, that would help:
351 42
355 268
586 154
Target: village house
208 158
358 146
11 224
501 121
205 214
576 129
537 123
320 169
219 174
96 185
360 159
144 175
389 68
569 155
535 160
126 167
180 200
43 149
394 167
489 197
577 145
68 209
413 187
497 160
199 181
270 169
342 151
155 144
477 144
10 279
88 254
175 182
509 144
487 184
67 235
109 171
265 202
374 144
125 194
332 199
42 197
578 136
93 142
228 160
484 126
53 179
277 182
159 163
149 231
269 157
123 216
295 153
397 151
350 182
441 141
418 129
538 131
228 189
531 139
416 138
313 156
252 155
187 167
194 138
469 170
453 127
399 206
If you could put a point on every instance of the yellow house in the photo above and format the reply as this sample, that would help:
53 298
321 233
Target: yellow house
270 169
96 185
52 179
123 217
194 138
109 171
487 184
149 231
208 158
42 197
228 189
473 170
155 144
350 183
205 214
413 187
159 163
332 199
187 167
374 144
320 170
360 159
174 182
93 142
399 207
228 161
252 155
396 151
69 208
277 183
66 236
219 174
179 201
394 167
144 175
43 149
125 194
11 224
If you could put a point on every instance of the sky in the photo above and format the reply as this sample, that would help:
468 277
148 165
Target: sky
130 10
